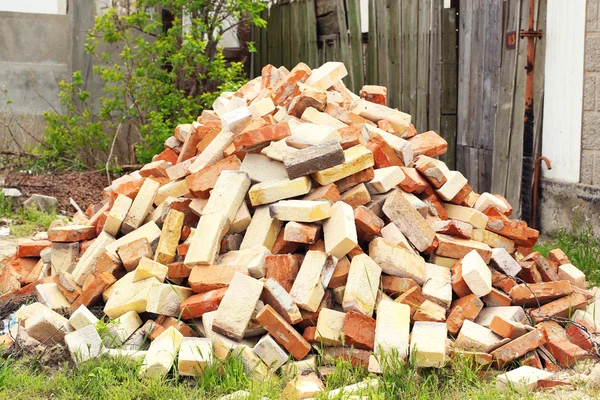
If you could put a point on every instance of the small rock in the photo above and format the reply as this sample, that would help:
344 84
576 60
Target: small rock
46 203
594 378
57 223
11 193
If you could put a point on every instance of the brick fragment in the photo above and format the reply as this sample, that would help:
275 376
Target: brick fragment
195 306
562 307
454 227
520 346
71 233
558 256
507 328
530 295
512 229
31 248
283 332
202 182
131 253
374 94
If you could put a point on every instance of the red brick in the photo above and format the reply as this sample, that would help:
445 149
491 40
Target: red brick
413 181
178 270
359 330
197 305
581 333
520 346
454 227
206 140
530 295
512 229
300 232
106 263
434 203
356 250
529 272
340 273
502 281
550 383
257 138
282 246
390 154
428 143
163 322
497 298
352 135
382 156
328 192
467 307
562 307
283 268
413 298
189 148
374 94
355 179
356 357
319 245
132 252
558 256
368 225
155 168
67 285
31 248
204 278
565 352
385 125
287 88
168 155
310 334
394 285
202 182
531 359
92 289
73 233
505 328
283 332
459 286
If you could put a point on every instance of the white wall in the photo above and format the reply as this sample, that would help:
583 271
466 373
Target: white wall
35 6
563 88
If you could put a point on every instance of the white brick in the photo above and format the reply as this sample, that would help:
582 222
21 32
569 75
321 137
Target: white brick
117 214
475 337
129 297
161 354
327 75
262 169
87 261
275 295
141 206
148 268
82 317
509 313
317 117
213 152
397 261
262 230
270 352
438 286
262 107
329 327
253 259
385 179
400 121
166 298
361 288
124 326
394 236
392 328
242 219
487 200
466 214
523 379
303 387
572 274
313 277
228 194
47 326
204 247
150 231
236 308
307 134
428 344
84 344
50 295
456 181
476 274
339 230
236 120
194 355
278 150
272 191
301 210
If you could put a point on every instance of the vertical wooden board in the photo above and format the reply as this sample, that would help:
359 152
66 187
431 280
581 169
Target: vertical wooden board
356 56
476 77
491 61
472 168
344 44
506 96
286 36
382 51
563 88
464 71
485 170
423 54
405 44
299 19
395 61
372 63
515 154
449 53
435 68
462 159
313 47
538 84
274 36
412 57
448 129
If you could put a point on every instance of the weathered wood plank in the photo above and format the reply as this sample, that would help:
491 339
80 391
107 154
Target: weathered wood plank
476 79
382 51
422 71
464 73
358 78
506 97
297 29
449 83
313 51
435 68
412 59
538 84
515 159
344 44
274 36
395 38
372 64
286 35
448 129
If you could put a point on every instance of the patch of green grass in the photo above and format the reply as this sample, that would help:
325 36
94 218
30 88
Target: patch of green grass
26 220
580 244
105 378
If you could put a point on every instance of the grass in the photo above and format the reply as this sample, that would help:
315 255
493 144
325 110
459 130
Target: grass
26 220
580 244
105 378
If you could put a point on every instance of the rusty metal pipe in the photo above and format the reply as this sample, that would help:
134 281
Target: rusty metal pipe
528 125
536 179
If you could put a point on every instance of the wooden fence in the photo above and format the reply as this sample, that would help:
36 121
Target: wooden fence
458 70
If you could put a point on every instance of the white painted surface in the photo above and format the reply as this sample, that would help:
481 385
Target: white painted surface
563 88
35 6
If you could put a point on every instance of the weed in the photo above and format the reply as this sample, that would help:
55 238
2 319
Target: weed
29 220
580 244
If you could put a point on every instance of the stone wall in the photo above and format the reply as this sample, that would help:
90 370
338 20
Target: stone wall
561 201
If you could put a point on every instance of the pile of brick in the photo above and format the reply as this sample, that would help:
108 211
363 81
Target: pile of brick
296 215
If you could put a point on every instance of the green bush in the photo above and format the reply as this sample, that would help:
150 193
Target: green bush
163 74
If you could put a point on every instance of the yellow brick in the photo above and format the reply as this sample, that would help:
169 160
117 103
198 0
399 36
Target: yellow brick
272 191
169 237
357 158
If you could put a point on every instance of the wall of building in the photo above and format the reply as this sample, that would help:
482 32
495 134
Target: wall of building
560 201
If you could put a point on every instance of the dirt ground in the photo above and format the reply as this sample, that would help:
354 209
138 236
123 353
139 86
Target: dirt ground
84 187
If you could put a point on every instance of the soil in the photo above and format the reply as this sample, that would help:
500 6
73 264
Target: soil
84 187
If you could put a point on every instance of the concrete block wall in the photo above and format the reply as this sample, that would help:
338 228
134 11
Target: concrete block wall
561 201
